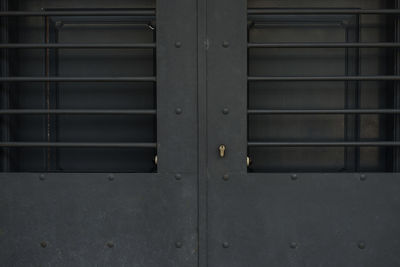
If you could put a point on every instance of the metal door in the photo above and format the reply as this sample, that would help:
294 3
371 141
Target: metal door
76 67
305 93
274 130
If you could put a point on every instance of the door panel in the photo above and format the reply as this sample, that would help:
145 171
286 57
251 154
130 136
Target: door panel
113 205
321 187
315 220
98 220
243 133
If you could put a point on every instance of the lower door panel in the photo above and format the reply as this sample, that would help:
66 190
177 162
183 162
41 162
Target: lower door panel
97 220
309 220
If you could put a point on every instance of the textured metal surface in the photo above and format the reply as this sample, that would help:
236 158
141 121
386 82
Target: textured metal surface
202 207
226 83
101 219
79 216
294 219
305 220
177 86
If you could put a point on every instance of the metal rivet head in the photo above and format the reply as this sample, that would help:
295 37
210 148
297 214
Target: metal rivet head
178 176
178 44
111 177
178 111
110 244
43 244
225 44
293 245
225 245
294 176
225 111
178 244
363 177
361 245
42 177
225 177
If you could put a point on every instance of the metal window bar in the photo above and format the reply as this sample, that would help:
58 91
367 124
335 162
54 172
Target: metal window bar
255 13
323 45
316 11
5 144
87 45
396 92
321 111
78 79
78 145
5 90
78 112
323 78
139 12
324 144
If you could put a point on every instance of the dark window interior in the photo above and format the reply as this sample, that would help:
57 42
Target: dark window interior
123 137
268 96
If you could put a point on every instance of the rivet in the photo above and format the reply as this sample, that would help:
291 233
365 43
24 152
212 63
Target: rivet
293 245
225 111
225 245
225 44
361 245
363 177
178 111
294 176
178 44
178 176
42 177
225 177
43 244
111 177
178 244
110 244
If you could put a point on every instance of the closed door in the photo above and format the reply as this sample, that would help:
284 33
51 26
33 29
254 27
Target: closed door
199 133
99 138
303 96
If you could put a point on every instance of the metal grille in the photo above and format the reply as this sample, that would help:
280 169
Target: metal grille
323 97
62 124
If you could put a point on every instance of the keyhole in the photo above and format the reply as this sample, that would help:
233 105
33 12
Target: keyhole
222 149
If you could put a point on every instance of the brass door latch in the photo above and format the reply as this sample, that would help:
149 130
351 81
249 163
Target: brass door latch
222 149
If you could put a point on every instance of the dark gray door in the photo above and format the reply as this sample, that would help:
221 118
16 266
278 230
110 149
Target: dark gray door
99 133
315 113
199 133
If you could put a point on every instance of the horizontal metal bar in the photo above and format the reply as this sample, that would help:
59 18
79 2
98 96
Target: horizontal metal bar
78 112
323 45
77 79
78 145
332 11
324 144
326 78
322 111
91 45
144 12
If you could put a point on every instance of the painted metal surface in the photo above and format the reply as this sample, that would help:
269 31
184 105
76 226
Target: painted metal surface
202 206
98 220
